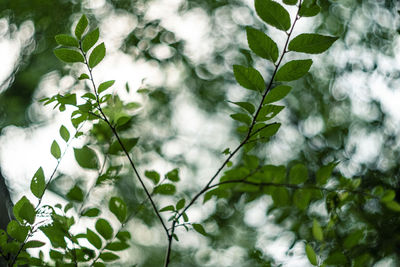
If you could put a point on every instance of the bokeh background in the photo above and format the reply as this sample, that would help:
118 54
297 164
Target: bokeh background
182 52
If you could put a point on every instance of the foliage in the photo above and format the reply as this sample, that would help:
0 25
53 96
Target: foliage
294 191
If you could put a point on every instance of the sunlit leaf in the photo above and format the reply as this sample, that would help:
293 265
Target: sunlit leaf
246 106
91 212
75 194
64 133
324 173
117 246
153 176
173 175
180 204
309 8
34 244
317 231
24 210
312 257
267 112
108 256
242 118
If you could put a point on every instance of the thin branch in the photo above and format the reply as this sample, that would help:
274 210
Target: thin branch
249 134
113 129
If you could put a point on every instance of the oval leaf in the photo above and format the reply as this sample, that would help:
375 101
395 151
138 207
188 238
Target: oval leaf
108 256
81 27
55 150
64 133
75 194
261 44
309 8
153 176
317 231
93 238
199 228
246 105
277 93
293 70
68 55
103 227
97 55
312 257
249 78
90 39
86 158
290 2
67 40
273 13
38 183
298 174
311 43
165 189
105 85
118 207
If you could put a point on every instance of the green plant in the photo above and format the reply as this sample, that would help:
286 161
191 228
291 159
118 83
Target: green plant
110 119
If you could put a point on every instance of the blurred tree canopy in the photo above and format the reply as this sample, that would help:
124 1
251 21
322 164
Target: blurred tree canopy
328 114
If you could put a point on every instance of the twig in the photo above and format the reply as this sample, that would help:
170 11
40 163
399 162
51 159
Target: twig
113 129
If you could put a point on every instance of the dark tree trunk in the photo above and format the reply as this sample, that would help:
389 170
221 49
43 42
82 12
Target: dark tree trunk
5 204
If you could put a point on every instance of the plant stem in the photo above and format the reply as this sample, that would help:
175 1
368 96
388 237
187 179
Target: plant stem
113 129
248 136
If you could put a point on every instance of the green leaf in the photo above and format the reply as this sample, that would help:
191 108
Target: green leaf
118 207
75 194
301 198
269 130
173 175
293 70
97 55
123 236
38 183
280 196
273 13
24 210
92 212
167 208
309 8
17 231
68 55
249 78
262 45
86 158
242 118
324 173
108 256
153 176
337 259
165 189
34 244
353 239
117 246
393 205
312 257
67 40
128 143
246 105
317 231
267 112
105 85
277 94
55 150
180 204
298 174
64 133
388 196
83 76
93 238
103 227
81 27
199 228
290 2
90 39
311 43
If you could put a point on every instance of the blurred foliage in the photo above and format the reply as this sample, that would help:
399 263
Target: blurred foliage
209 81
